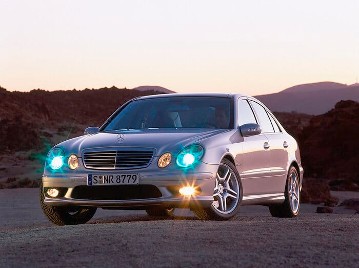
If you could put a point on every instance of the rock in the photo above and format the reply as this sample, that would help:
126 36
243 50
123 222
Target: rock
324 210
331 202
352 203
315 191
343 185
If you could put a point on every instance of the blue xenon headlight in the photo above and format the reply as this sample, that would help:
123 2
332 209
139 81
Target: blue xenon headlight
190 155
55 159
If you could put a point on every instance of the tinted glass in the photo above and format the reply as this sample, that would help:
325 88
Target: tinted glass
264 120
245 113
174 112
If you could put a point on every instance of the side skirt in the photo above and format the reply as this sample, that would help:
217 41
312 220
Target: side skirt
263 199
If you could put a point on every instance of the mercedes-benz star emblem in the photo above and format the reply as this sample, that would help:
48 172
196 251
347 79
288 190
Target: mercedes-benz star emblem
120 138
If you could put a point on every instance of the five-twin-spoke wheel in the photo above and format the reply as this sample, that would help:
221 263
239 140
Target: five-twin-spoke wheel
290 207
226 191
293 191
227 194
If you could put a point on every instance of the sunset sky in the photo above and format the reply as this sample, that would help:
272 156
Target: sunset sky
253 47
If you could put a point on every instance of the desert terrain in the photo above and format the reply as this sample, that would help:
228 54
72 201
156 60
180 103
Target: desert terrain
133 239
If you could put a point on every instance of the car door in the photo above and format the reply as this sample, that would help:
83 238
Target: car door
279 145
275 182
253 160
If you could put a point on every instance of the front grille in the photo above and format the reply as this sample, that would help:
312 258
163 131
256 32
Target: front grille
115 192
120 159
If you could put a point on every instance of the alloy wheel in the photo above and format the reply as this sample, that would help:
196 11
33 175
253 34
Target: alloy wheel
293 191
226 191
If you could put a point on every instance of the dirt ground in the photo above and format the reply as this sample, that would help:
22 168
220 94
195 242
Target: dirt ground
132 239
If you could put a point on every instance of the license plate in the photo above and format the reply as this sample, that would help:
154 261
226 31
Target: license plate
113 179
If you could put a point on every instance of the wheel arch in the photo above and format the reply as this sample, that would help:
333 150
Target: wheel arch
230 158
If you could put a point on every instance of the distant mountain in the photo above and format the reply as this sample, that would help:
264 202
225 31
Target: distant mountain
315 98
154 88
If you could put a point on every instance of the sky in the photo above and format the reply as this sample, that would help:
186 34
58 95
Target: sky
252 47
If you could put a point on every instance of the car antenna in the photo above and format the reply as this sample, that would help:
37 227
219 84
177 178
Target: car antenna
71 128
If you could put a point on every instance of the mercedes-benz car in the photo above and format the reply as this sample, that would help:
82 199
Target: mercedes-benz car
210 153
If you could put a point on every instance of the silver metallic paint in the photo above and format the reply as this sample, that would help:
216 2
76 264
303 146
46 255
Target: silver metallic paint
263 171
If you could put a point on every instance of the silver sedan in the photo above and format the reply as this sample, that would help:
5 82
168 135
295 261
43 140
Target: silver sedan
210 153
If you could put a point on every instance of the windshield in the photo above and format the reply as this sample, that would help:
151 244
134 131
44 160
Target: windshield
174 112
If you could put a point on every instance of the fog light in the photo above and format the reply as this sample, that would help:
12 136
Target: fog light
73 162
187 191
52 192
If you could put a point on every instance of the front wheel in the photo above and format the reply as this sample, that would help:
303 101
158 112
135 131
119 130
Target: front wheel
290 207
66 215
227 194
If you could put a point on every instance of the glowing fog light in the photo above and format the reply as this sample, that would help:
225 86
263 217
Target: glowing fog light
190 155
73 162
57 162
187 191
52 192
164 160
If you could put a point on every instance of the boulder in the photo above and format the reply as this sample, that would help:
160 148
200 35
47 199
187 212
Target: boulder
324 210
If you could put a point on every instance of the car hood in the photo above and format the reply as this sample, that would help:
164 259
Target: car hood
159 139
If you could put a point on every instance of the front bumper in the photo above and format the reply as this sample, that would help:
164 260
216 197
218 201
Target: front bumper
165 182
203 201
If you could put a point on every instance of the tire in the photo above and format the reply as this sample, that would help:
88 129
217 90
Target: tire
160 212
227 194
290 207
66 215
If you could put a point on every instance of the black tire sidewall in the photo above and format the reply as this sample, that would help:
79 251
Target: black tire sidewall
61 216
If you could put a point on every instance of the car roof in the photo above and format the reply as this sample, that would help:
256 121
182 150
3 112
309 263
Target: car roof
231 95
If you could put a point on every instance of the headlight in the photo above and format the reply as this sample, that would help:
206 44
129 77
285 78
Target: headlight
73 161
55 158
164 160
190 155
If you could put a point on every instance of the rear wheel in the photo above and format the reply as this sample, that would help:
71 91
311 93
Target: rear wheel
66 215
290 207
227 194
160 212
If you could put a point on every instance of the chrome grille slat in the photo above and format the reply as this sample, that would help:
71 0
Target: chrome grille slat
120 159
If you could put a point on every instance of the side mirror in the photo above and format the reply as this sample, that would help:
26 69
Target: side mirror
250 130
91 130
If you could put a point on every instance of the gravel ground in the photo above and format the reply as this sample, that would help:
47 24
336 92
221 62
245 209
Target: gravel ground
132 239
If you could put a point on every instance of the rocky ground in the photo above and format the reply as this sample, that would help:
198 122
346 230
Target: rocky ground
132 239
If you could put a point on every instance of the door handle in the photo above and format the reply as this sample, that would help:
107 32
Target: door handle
285 144
266 145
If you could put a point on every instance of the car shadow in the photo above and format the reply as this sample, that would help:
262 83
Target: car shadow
135 218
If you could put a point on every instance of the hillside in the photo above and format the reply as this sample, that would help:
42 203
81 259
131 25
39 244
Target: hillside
29 118
315 99
32 122
330 146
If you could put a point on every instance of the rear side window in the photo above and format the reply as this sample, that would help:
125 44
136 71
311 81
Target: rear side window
245 113
274 123
263 117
